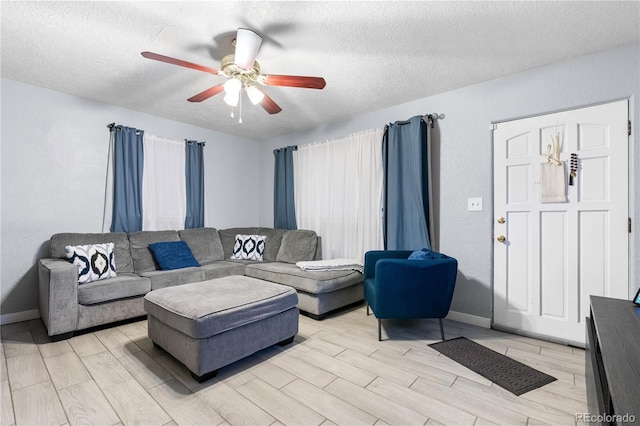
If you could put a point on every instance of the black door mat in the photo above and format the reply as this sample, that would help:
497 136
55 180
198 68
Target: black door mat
505 372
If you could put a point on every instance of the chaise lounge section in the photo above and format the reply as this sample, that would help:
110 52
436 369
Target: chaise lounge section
66 307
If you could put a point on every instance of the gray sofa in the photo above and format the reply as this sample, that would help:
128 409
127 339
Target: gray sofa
66 307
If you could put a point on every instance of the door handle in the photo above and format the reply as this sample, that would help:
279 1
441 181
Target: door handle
501 220
501 238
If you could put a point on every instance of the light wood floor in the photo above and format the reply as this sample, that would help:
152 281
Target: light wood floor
335 372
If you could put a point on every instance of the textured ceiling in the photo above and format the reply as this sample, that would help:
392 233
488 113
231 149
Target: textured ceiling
371 54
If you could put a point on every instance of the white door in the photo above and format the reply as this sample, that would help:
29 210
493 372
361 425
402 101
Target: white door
555 255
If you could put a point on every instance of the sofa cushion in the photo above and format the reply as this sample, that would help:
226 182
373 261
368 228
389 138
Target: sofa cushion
139 241
123 260
173 255
297 246
162 279
314 282
272 245
94 261
204 243
124 285
222 268
228 238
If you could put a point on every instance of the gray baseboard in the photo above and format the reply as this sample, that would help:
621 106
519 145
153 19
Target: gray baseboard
19 316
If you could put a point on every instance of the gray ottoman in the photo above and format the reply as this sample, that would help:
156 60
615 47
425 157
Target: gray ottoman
210 324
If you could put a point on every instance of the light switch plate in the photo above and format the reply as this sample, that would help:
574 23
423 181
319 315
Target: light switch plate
474 204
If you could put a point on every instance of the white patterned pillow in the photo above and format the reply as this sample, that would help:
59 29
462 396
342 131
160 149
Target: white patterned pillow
249 247
95 261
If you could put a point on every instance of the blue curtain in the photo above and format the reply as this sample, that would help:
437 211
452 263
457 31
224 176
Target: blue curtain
194 168
284 213
127 180
406 185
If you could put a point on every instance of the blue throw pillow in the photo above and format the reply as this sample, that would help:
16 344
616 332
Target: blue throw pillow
423 254
173 255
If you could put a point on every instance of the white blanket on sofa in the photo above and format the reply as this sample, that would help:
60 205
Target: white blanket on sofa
331 265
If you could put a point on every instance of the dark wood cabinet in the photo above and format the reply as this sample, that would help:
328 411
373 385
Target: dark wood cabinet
612 362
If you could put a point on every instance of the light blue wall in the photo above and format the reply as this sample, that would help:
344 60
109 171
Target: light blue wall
54 159
54 156
464 151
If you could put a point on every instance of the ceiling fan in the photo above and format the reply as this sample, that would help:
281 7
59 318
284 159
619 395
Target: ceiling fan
243 70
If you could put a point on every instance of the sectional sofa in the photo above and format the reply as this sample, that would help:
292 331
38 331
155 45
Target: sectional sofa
66 306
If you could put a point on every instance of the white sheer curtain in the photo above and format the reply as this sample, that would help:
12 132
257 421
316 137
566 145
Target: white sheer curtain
338 193
164 199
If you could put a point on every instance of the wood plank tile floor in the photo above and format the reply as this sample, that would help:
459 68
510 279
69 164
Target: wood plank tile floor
335 373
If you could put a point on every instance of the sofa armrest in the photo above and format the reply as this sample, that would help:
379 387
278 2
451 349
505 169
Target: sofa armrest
372 257
58 284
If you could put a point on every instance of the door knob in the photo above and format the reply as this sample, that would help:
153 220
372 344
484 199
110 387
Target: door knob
501 220
501 238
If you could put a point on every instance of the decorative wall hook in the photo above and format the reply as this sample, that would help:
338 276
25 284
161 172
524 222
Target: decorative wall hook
553 151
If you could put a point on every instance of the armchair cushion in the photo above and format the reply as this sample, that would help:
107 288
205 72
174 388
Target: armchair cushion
396 287
423 254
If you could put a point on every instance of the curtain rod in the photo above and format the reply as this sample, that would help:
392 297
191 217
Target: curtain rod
427 118
295 148
431 118
113 125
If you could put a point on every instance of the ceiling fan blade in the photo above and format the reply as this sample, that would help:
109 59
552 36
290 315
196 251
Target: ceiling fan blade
212 91
169 60
247 46
293 81
269 105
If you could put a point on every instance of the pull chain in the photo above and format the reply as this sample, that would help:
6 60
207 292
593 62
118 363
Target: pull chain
240 107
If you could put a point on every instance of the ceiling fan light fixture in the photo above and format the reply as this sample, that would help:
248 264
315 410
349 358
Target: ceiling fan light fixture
255 95
231 99
247 46
233 86
232 92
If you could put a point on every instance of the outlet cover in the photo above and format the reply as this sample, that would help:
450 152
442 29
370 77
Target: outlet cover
474 204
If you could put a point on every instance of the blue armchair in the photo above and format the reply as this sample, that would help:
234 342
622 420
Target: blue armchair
395 287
